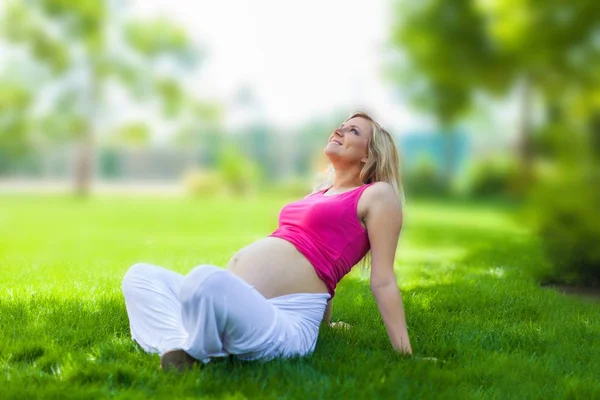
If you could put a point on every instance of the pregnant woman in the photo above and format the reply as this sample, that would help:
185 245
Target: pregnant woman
275 293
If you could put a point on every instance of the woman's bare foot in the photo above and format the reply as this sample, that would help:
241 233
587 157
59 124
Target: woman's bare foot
177 359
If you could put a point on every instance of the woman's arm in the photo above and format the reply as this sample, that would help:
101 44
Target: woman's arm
389 302
384 221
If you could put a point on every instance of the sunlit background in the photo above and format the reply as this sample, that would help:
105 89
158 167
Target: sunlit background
489 100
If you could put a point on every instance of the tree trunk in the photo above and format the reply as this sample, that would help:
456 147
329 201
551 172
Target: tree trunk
595 134
84 165
525 149
450 156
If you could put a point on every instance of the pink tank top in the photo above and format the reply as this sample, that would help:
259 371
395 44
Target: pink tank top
327 231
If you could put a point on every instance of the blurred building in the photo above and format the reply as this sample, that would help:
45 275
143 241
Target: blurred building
279 156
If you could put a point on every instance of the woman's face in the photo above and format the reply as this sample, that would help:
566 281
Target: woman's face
350 141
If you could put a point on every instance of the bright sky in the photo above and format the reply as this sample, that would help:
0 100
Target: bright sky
303 58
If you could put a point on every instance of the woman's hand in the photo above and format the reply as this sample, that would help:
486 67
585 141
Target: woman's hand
404 347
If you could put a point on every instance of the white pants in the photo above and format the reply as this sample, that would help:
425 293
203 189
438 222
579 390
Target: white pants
210 312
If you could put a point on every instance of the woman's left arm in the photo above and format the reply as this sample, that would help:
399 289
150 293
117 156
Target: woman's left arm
384 221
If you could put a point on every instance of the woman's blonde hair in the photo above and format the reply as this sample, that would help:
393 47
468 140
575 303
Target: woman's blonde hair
383 160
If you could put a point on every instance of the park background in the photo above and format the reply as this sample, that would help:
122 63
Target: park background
174 132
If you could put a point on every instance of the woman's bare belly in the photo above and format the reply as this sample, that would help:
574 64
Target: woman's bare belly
275 268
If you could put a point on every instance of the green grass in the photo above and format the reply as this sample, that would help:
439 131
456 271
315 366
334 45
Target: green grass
469 299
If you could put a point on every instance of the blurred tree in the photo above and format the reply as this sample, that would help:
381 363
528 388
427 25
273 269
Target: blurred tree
446 53
239 172
15 100
86 45
425 179
445 56
451 50
135 134
551 48
202 129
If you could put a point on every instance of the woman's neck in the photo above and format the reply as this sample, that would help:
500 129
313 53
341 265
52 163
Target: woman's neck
346 180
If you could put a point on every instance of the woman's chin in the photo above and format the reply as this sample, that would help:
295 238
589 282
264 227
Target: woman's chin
330 150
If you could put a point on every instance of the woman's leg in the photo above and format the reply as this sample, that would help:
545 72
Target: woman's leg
153 306
223 314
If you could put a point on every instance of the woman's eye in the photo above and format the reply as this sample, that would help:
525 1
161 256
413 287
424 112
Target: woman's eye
354 130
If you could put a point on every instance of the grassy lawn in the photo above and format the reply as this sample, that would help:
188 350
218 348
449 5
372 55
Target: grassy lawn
462 270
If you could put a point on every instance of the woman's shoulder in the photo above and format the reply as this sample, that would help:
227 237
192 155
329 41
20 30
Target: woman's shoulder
381 190
381 194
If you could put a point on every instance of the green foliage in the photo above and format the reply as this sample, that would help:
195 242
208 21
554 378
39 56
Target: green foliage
136 134
209 113
496 177
233 173
15 125
240 173
172 95
450 50
468 302
83 19
20 25
448 54
453 50
425 179
566 200
65 36
204 183
566 210
158 37
13 97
